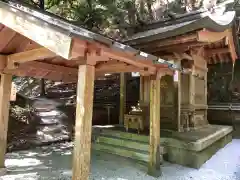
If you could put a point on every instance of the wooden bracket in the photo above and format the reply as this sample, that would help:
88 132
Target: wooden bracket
14 60
211 37
162 72
231 45
181 56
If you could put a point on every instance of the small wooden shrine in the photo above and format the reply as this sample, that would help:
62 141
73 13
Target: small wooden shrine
192 41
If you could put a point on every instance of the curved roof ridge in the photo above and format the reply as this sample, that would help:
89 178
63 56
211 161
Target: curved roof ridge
214 22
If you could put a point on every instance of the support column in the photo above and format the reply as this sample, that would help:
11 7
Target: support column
177 99
154 156
192 88
122 104
141 88
5 86
83 125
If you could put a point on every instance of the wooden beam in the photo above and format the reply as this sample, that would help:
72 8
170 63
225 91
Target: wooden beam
44 70
83 125
170 41
131 60
177 48
117 68
37 30
6 35
5 87
208 53
154 156
32 55
210 37
122 97
48 67
26 45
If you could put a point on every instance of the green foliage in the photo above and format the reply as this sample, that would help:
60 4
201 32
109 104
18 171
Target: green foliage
112 17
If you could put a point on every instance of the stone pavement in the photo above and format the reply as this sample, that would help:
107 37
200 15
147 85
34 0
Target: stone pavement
54 163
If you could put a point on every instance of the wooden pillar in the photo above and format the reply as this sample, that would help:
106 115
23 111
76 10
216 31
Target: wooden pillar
177 99
144 89
192 88
154 156
122 104
83 125
5 91
141 89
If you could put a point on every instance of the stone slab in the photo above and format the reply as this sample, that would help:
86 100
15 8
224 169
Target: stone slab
195 153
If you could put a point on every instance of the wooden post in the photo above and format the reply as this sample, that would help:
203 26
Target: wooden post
154 156
146 89
177 99
192 88
192 95
122 97
5 92
83 125
141 89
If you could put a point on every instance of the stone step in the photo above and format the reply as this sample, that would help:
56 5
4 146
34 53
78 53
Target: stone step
59 128
121 134
124 152
49 121
53 113
48 138
44 109
123 143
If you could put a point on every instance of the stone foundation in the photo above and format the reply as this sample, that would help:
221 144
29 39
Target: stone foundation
194 148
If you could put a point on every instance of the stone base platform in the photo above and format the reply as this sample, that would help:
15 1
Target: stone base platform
195 147
190 149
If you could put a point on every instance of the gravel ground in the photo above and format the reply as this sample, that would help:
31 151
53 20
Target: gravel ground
54 163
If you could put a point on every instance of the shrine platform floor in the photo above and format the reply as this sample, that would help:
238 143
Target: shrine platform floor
54 163
192 148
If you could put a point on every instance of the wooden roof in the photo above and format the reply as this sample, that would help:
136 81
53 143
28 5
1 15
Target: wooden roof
39 44
212 31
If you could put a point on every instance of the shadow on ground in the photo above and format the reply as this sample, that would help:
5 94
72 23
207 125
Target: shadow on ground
54 163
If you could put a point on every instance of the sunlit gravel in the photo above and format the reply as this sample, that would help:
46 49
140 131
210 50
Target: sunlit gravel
54 163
